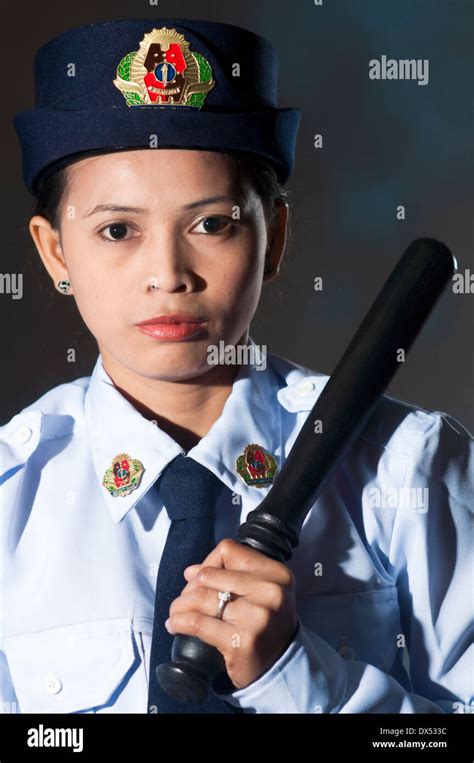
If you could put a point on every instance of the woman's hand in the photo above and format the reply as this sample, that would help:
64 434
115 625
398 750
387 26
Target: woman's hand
257 626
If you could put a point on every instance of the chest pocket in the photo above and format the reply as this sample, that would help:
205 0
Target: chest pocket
73 668
361 626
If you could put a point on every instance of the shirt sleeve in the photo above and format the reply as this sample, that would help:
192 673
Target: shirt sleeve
429 555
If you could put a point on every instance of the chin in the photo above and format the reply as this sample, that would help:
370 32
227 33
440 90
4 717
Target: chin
176 364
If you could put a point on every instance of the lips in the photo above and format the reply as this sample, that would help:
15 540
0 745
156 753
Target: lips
171 319
172 327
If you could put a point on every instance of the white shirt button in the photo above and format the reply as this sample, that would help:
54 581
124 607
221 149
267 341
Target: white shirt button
22 435
53 684
347 652
304 387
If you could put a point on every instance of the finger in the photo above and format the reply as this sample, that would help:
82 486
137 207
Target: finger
205 600
215 632
241 583
237 556
191 571
265 593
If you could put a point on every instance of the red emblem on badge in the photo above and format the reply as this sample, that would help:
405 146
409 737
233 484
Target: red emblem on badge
121 472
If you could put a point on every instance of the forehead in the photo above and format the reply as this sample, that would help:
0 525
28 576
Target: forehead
164 180
175 166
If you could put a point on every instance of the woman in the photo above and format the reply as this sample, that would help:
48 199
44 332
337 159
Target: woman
158 157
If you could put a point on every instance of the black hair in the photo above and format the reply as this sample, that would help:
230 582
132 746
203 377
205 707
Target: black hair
262 178
49 195
51 190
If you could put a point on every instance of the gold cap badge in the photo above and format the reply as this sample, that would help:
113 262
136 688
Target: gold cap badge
164 72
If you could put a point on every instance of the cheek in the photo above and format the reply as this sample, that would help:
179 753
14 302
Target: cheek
236 275
98 289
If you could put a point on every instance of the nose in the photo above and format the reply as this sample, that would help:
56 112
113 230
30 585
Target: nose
167 264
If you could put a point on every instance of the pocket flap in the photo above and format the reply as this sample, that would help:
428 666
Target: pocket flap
362 625
71 668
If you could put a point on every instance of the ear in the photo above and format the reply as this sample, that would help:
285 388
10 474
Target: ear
48 244
277 236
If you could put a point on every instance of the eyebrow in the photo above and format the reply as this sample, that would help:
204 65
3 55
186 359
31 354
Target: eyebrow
141 211
115 208
210 200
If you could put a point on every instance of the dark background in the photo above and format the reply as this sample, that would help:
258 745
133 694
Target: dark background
385 143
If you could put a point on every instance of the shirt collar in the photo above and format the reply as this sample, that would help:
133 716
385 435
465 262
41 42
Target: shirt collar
251 414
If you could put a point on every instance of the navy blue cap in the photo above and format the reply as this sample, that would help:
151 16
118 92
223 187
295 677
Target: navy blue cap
113 85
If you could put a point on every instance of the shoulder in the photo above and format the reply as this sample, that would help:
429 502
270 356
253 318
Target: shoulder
396 426
51 416
406 455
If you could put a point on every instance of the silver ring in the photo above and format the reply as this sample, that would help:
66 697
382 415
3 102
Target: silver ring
224 598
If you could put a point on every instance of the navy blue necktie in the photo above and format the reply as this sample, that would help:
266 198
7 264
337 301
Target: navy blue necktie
189 492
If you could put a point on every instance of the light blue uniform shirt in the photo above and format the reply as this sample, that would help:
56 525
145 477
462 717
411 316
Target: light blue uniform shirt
79 567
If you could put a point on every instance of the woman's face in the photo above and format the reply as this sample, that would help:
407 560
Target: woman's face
169 219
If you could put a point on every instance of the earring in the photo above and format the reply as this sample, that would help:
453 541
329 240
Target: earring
64 286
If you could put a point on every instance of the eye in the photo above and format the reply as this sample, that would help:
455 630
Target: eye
117 232
213 224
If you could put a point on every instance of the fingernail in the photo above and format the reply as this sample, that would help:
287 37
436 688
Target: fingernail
167 625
